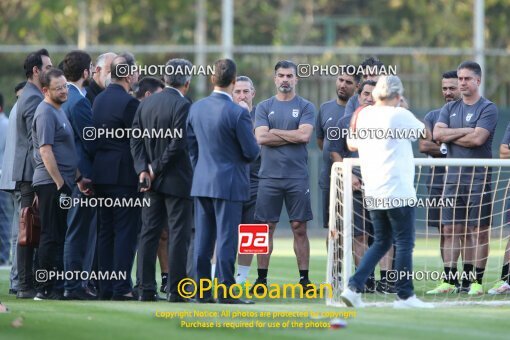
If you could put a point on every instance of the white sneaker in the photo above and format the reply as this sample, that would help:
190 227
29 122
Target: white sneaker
500 287
240 280
411 302
352 299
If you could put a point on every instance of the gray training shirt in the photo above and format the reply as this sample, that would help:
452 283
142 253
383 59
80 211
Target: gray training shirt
289 160
506 137
51 127
482 114
352 105
430 120
329 114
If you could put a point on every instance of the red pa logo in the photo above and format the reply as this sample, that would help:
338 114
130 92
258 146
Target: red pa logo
253 239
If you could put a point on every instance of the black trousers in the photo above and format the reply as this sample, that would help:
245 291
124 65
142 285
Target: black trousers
53 233
25 255
117 240
174 213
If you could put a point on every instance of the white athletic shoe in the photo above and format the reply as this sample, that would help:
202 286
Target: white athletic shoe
411 302
352 299
240 280
500 287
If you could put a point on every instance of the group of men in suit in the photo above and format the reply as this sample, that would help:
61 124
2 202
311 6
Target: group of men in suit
203 171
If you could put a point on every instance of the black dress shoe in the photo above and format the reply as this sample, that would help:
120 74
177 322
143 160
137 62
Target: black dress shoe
49 294
209 299
91 289
13 291
79 294
26 294
148 296
176 298
123 298
234 301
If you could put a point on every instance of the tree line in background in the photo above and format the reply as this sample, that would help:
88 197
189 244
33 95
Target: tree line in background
425 23
436 23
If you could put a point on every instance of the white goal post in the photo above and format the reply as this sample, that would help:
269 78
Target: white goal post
340 236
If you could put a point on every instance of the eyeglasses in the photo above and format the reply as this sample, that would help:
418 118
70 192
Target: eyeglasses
59 88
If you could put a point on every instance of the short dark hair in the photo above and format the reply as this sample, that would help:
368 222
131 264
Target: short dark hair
182 72
48 76
472 66
1 100
125 58
366 82
75 62
34 59
371 61
285 64
19 86
356 75
450 75
150 84
225 71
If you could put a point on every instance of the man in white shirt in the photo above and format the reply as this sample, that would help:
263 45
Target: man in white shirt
387 167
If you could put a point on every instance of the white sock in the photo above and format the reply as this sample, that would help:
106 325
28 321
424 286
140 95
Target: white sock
242 273
213 270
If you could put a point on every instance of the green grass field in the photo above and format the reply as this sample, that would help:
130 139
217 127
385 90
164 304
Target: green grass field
136 320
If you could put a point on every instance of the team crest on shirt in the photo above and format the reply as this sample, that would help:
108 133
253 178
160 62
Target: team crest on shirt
295 113
468 117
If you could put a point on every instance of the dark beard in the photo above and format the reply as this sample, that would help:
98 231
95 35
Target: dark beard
343 98
58 101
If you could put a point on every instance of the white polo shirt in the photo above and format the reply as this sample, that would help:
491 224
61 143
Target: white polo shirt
387 163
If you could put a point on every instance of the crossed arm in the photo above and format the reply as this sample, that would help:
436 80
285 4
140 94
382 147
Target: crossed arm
504 151
276 137
466 137
428 146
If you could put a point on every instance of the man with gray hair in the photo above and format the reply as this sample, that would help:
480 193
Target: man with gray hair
100 74
387 168
164 165
114 178
243 94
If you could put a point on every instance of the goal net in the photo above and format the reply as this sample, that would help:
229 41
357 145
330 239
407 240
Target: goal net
455 256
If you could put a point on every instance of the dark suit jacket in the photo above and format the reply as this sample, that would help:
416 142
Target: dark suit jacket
113 108
79 112
221 146
169 158
92 91
23 169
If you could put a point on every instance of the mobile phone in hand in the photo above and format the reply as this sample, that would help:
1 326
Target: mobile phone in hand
144 184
